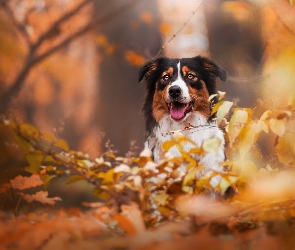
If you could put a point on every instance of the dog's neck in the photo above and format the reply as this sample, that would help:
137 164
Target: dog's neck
167 124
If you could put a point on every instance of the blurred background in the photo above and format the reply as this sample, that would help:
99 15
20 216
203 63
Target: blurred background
71 67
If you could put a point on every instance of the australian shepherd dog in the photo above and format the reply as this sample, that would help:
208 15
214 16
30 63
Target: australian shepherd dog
177 98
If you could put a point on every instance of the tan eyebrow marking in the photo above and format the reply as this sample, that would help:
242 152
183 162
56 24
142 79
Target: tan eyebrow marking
168 71
185 69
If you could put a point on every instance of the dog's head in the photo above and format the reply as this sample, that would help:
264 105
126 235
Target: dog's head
178 87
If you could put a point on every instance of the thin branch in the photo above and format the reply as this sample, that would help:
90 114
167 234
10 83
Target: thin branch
180 29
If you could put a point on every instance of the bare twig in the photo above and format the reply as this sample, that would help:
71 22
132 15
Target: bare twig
180 29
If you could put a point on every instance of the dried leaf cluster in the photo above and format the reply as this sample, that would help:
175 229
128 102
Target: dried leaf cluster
166 204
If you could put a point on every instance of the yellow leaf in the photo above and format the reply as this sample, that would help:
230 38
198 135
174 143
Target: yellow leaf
168 144
291 102
285 148
22 143
212 96
29 131
236 123
247 137
34 159
245 169
190 177
62 144
222 108
223 185
265 115
160 197
101 194
187 189
221 95
212 145
277 126
74 178
48 136
108 177
263 126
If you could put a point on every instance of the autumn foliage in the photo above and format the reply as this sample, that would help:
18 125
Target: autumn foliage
142 203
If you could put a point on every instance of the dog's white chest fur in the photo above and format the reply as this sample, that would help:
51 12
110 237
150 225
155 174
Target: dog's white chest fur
202 131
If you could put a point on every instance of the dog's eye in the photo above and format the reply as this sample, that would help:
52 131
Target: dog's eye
190 76
166 77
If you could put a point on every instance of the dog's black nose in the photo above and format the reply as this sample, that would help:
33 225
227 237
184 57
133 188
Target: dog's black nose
174 91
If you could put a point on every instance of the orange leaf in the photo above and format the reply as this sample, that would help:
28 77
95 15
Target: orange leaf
41 196
125 224
134 58
146 17
21 182
165 29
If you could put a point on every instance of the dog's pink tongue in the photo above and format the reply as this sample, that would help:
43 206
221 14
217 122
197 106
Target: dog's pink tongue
177 110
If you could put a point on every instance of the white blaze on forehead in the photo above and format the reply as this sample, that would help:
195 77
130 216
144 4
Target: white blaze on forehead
181 83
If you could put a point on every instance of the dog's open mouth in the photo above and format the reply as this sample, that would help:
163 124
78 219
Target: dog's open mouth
179 110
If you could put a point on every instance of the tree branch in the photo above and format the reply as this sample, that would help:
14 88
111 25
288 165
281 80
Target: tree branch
19 26
84 30
33 59
55 26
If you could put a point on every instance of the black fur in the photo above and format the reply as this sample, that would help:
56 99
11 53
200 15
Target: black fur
206 69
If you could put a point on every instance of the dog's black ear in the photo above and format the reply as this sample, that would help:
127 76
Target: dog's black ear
214 69
147 69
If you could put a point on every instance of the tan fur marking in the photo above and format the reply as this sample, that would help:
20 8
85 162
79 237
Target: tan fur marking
152 68
208 66
185 70
169 71
159 105
201 99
